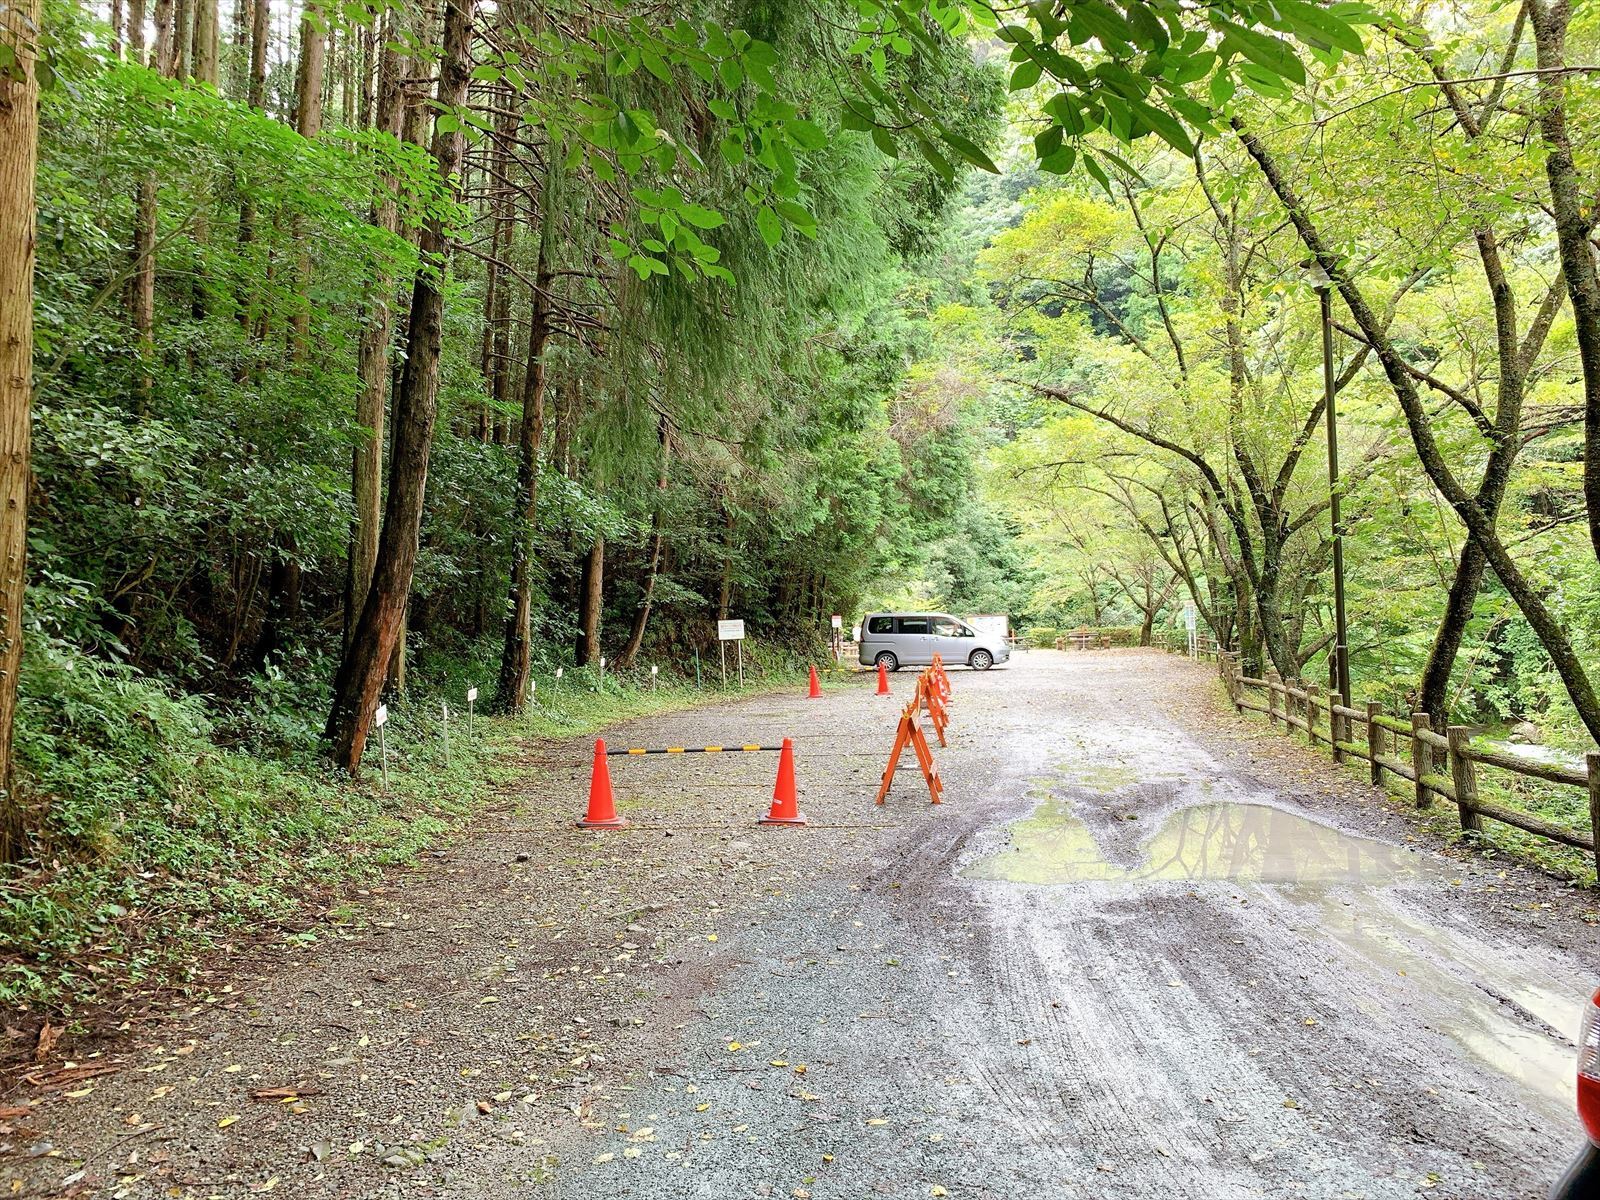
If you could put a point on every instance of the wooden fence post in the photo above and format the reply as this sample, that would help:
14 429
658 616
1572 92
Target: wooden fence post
1421 757
1311 714
1334 697
1271 678
1591 760
1465 776
1374 741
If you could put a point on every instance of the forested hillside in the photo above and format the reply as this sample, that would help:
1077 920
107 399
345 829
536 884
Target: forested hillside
1154 339
383 352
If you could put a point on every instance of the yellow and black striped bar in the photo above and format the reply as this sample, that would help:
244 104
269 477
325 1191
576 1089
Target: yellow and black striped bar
691 750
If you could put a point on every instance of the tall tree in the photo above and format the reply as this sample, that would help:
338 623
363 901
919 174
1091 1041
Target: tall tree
19 149
366 470
641 616
1572 208
1480 526
511 688
365 663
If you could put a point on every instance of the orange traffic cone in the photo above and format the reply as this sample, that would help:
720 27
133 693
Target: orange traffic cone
602 804
883 679
816 686
785 804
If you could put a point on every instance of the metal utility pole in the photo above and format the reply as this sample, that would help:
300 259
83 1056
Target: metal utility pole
1341 639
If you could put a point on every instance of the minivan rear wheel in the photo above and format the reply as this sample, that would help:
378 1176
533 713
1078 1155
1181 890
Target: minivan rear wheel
981 660
887 661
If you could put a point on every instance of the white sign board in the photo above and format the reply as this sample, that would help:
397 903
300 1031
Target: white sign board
838 621
730 631
382 715
472 694
1189 616
995 624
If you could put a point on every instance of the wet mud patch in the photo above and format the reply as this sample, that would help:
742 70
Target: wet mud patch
1507 1007
1219 840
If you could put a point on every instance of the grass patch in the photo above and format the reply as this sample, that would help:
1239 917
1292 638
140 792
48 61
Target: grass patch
158 840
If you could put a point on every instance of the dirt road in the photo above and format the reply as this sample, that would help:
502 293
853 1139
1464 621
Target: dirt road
1145 948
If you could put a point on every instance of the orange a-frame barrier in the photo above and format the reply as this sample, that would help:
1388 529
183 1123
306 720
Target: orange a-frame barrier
910 732
928 694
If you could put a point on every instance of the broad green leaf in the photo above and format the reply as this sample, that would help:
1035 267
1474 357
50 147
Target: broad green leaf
770 226
969 150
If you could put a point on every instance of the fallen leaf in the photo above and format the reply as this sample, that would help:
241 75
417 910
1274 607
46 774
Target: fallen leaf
226 1121
280 1093
48 1036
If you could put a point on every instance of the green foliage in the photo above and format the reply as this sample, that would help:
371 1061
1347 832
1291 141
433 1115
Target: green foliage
1123 70
155 803
726 275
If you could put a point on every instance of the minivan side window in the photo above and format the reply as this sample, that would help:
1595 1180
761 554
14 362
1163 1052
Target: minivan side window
881 625
945 628
915 625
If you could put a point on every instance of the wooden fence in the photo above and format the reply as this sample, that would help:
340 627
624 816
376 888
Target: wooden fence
1435 764
1084 638
1206 647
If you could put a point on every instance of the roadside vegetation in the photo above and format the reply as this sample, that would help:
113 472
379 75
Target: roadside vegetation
178 829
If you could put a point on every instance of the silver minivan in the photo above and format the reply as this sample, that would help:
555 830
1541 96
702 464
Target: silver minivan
912 639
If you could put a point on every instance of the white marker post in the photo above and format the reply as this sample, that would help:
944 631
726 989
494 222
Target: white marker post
653 670
444 709
557 683
731 631
380 719
533 689
600 680
472 696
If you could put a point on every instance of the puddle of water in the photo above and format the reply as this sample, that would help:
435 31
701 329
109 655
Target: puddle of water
1461 995
1244 842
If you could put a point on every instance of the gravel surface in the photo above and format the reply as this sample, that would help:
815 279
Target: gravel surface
1144 948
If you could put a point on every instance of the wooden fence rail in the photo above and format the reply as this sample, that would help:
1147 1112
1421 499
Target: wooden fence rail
1435 764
